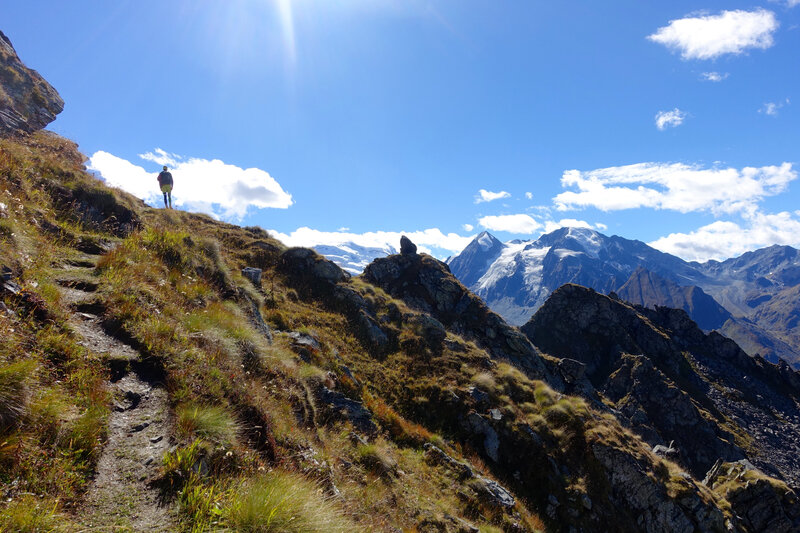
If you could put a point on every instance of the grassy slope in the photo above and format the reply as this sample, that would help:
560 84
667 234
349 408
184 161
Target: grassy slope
252 447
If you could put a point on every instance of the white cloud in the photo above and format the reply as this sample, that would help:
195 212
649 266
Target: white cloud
489 196
529 195
122 173
670 119
161 157
710 36
211 186
468 227
431 241
714 76
675 186
524 224
600 226
771 108
723 239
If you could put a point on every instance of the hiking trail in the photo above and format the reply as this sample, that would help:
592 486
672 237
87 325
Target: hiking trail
121 496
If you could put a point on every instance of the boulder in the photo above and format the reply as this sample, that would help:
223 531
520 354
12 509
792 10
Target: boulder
571 370
306 263
337 405
253 274
492 492
27 102
666 452
304 340
480 426
407 247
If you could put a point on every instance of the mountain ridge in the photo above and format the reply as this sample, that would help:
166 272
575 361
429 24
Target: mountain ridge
523 273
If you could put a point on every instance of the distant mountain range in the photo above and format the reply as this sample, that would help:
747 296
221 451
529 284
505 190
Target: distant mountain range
753 299
351 257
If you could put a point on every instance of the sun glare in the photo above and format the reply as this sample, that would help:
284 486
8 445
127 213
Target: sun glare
287 25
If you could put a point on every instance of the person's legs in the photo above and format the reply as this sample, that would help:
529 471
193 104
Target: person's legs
165 201
169 195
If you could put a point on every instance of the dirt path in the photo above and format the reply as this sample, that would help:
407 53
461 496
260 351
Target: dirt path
120 497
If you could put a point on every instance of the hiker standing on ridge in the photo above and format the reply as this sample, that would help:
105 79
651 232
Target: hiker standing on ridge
165 181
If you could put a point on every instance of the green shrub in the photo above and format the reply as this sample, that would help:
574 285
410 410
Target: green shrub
285 503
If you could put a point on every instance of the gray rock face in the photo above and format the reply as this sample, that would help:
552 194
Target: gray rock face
638 494
762 504
309 266
480 425
648 289
27 102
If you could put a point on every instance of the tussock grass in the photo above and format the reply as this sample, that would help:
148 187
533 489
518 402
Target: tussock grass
14 389
213 423
376 458
400 429
29 514
282 502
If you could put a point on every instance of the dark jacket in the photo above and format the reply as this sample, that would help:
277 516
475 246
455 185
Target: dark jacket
165 178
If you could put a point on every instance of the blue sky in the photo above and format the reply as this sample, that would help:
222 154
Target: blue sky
675 123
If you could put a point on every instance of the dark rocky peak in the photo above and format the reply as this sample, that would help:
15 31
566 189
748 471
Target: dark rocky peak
637 368
427 285
671 381
723 360
469 265
579 323
648 289
27 102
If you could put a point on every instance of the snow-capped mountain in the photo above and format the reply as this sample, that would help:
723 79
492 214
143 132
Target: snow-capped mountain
352 257
748 298
515 278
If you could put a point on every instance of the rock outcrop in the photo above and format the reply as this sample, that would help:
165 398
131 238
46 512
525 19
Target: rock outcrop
761 503
27 102
427 285
407 247
670 381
